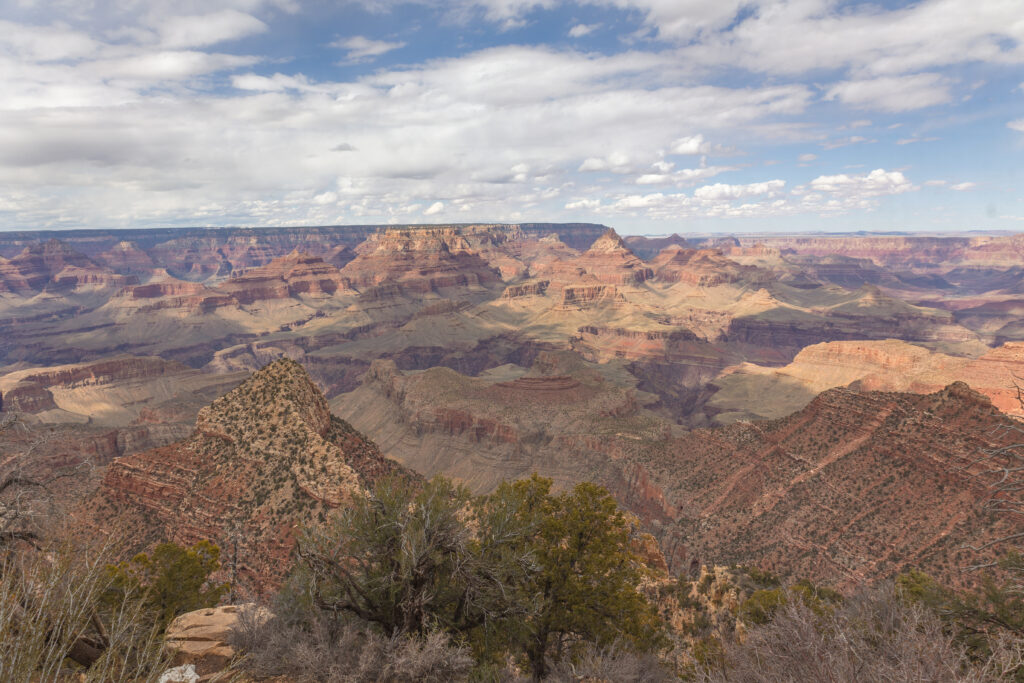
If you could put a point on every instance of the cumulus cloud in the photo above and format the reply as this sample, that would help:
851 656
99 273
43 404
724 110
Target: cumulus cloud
361 48
893 93
586 204
720 191
580 30
960 187
1017 125
912 140
44 43
207 29
818 35
845 142
479 129
120 125
857 191
693 144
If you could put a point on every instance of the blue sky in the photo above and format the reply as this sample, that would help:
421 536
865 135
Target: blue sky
653 116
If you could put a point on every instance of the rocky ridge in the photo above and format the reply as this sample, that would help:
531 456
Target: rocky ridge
263 458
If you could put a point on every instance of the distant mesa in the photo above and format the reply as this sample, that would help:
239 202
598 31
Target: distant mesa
704 268
53 265
610 261
420 260
297 274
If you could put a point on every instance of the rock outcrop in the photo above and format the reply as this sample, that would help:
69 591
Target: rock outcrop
53 264
294 275
419 260
128 259
854 487
607 261
704 268
201 639
886 365
263 458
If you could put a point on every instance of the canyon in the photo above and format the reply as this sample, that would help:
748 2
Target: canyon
806 402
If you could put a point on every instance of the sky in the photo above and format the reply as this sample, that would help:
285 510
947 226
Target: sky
651 116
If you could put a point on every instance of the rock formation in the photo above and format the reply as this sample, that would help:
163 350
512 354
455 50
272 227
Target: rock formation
846 490
888 365
264 458
416 261
704 268
294 275
53 264
608 261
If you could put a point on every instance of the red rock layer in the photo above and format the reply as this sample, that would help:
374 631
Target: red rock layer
297 274
608 261
264 458
52 264
856 486
417 261
704 268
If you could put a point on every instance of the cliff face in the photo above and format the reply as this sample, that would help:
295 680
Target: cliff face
53 264
856 486
704 268
484 430
297 274
128 259
610 261
887 365
263 458
418 261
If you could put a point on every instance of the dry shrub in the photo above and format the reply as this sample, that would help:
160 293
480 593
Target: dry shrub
50 607
873 636
614 663
326 650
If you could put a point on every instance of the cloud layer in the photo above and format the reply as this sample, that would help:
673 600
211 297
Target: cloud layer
143 113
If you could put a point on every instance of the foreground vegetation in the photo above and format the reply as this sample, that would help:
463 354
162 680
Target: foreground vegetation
424 582
67 612
429 583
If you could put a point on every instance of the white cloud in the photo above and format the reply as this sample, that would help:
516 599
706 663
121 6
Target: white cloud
207 29
820 35
682 177
694 144
845 142
361 48
616 162
806 158
587 204
720 191
876 183
1017 125
580 30
960 187
912 140
44 43
119 131
893 93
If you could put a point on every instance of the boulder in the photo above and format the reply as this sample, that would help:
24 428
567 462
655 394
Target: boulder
200 638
